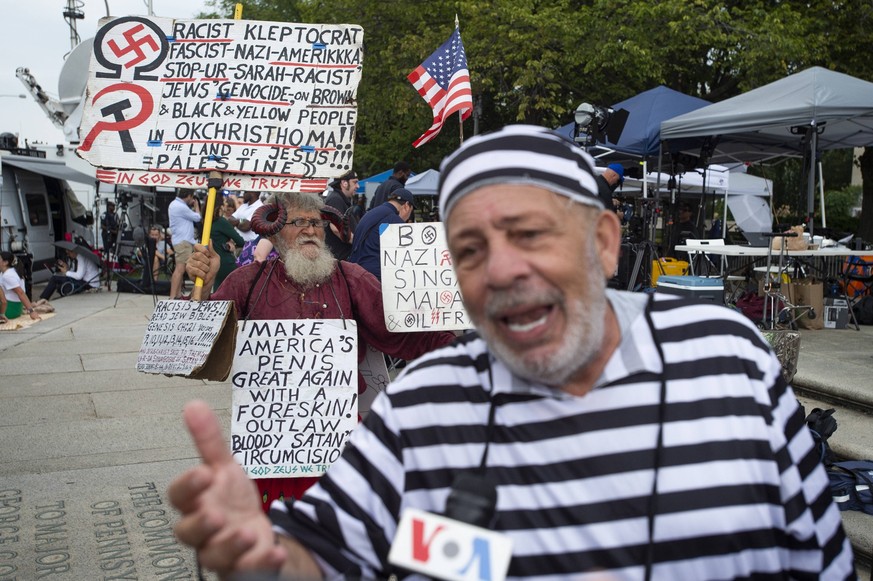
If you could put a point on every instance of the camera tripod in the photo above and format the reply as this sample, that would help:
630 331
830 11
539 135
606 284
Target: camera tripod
141 254
646 253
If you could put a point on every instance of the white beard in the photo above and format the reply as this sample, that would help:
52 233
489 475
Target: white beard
302 269
581 344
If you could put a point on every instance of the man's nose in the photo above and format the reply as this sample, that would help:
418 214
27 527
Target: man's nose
505 265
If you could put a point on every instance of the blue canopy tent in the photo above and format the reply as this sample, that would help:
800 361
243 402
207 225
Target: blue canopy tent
641 136
376 179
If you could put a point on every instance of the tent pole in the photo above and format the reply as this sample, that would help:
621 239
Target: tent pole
645 182
724 213
824 218
810 179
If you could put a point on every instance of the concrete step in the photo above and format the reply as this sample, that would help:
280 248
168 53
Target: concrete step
853 440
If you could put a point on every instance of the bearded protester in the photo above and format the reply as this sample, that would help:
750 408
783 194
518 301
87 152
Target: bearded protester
626 435
306 282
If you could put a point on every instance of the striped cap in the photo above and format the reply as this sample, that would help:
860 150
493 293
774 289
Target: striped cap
518 154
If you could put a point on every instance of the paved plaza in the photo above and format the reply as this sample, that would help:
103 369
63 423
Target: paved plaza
89 444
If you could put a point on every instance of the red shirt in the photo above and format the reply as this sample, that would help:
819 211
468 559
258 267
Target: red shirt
351 292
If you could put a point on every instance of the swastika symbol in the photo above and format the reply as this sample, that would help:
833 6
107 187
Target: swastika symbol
428 235
134 45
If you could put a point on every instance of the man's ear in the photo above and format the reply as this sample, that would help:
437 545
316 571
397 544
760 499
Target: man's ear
608 240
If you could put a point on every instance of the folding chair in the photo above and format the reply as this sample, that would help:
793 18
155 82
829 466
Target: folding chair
701 263
856 282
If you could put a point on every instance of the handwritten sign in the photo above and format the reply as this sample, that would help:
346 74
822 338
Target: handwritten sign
254 99
295 390
419 288
189 338
375 373
200 181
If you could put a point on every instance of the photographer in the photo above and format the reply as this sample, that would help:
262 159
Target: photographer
225 240
109 227
184 212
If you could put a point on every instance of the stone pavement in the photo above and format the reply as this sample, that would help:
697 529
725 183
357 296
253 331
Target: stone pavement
89 444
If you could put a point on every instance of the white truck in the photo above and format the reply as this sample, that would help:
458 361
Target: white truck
38 207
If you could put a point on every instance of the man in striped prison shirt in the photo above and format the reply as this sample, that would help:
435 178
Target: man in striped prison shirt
628 436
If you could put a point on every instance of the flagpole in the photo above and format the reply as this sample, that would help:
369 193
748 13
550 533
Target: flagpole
460 117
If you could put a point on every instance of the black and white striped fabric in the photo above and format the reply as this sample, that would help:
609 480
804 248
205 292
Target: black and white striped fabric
741 493
518 154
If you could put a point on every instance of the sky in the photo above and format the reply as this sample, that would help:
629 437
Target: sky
34 34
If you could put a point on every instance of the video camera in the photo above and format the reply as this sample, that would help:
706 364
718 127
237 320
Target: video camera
123 198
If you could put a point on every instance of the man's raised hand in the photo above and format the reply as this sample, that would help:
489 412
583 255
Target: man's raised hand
221 512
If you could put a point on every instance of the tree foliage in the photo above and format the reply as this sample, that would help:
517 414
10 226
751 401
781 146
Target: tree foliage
534 61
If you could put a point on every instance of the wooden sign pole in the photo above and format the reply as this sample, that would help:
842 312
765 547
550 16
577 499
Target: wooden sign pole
215 182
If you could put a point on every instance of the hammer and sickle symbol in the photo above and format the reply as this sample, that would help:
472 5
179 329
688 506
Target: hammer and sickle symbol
120 125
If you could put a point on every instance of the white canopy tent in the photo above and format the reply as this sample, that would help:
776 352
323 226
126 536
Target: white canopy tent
425 183
800 115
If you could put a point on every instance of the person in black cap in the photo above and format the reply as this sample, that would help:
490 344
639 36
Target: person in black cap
340 198
608 181
366 248
402 171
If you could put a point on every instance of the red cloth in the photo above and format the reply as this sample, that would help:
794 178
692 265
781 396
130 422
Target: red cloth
351 292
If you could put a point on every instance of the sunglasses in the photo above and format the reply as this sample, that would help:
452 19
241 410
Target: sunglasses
304 222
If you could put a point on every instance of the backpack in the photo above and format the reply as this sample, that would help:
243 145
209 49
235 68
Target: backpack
851 484
822 425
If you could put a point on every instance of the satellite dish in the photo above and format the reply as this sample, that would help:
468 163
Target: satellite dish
74 76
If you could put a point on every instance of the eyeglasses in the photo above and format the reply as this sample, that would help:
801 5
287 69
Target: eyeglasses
304 222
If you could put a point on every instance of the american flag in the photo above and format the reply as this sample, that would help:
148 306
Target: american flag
444 82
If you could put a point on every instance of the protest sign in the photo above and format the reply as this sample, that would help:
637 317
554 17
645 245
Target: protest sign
375 373
419 288
295 391
194 339
254 100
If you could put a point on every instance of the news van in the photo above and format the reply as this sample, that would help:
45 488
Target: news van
38 207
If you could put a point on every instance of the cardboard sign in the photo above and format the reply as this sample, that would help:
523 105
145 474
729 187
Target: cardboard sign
194 339
419 288
200 181
375 373
241 97
295 391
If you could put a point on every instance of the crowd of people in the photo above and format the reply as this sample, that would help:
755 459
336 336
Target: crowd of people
168 246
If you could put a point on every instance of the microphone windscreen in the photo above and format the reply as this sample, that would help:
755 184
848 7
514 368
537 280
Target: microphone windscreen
472 500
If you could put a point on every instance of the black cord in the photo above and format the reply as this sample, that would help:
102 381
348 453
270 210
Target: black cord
659 447
489 427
